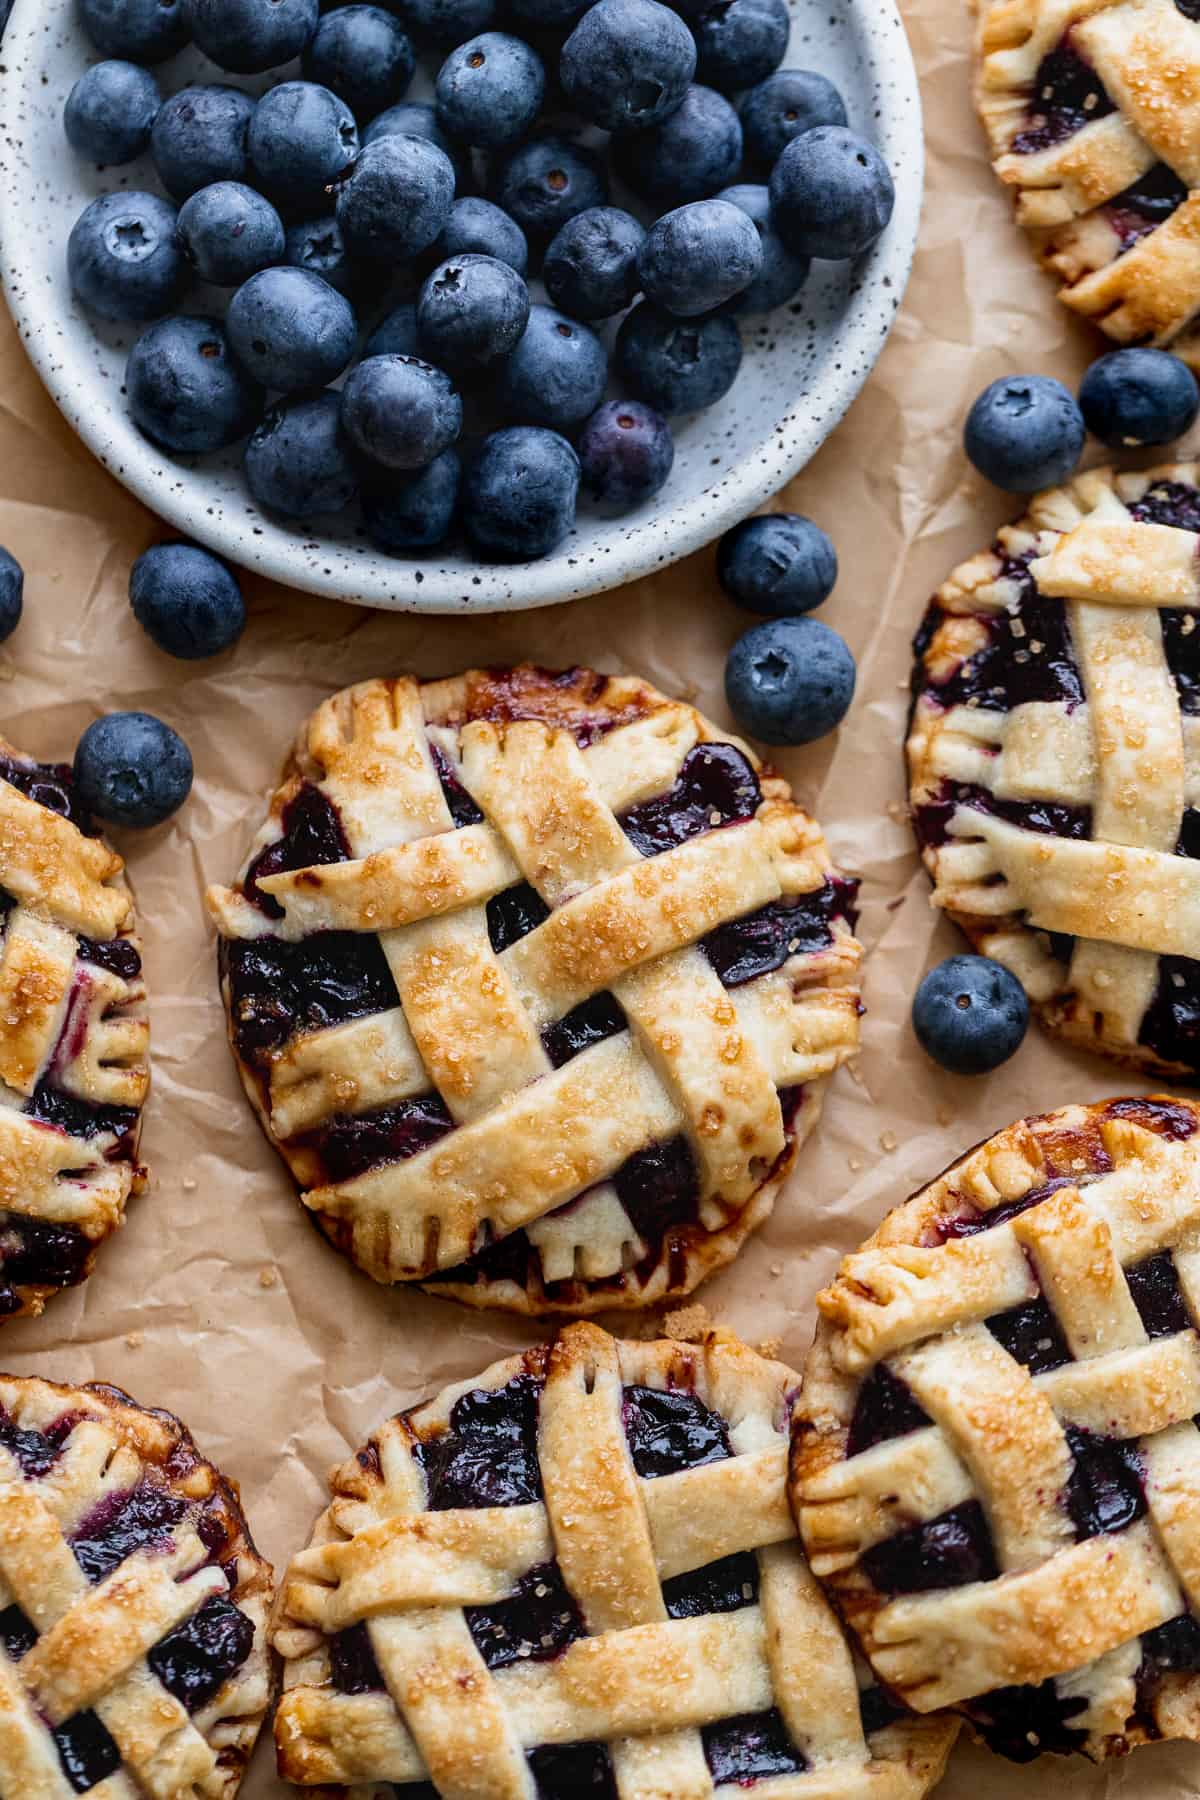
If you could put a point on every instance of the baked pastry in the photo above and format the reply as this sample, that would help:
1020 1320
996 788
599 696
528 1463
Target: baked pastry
1090 108
1054 760
554 1058
133 1605
578 1576
73 1037
996 1465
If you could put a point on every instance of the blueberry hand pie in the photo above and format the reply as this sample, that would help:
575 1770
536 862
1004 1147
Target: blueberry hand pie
533 979
1092 112
133 1605
996 1462
73 1037
1054 760
578 1578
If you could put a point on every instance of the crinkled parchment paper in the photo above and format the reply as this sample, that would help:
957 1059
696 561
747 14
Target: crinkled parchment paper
218 1300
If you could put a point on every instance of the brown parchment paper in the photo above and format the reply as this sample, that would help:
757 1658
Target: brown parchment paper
218 1300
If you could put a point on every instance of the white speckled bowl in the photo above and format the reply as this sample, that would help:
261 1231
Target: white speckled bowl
804 364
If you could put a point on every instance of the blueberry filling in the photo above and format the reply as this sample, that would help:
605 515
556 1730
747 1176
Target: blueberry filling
86 1751
118 956
878 1710
1171 1023
950 1551
352 1665
16 1633
1174 1646
81 1118
535 1624
751 1748
933 817
312 834
1189 834
1031 1334
669 1429
715 786
886 1408
196 1659
967 1224
37 1254
51 785
587 1024
351 1143
514 914
277 989
1105 1491
764 940
1028 655
1181 645
659 1188
488 1457
1162 1116
719 1587
1158 1296
122 1523
1068 94
463 809
1023 1722
36 1452
572 1772
1144 205
1174 503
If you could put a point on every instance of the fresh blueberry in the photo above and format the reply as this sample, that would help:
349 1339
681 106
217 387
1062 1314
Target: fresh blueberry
1025 432
778 563
199 137
471 310
490 90
789 681
143 31
123 257
699 256
364 55
677 365
400 411
556 375
591 267
301 139
544 183
110 112
783 106
187 600
479 228
520 493
131 769
186 389
396 335
627 64
228 232
12 593
413 512
445 23
317 245
970 1014
831 194
625 454
1132 398
412 118
740 42
782 274
291 330
688 156
396 199
250 37
298 461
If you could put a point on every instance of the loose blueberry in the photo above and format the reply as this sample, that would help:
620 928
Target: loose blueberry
249 37
199 137
783 106
142 31
12 593
520 493
479 228
1132 398
298 461
789 681
187 600
396 199
627 64
625 454
291 330
448 22
472 309
413 512
780 563
318 247
970 1014
557 373
1025 432
699 256
782 273
302 138
186 389
400 411
677 365
740 42
688 156
228 232
591 267
123 258
544 183
412 118
396 335
831 194
490 90
110 112
364 55
131 769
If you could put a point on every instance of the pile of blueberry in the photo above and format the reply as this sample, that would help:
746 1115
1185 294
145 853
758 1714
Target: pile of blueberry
348 228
